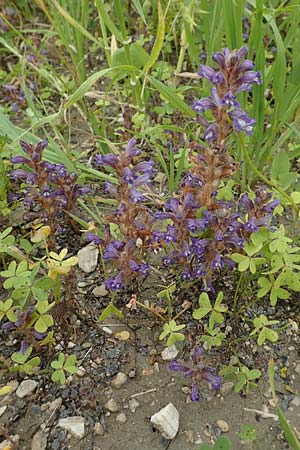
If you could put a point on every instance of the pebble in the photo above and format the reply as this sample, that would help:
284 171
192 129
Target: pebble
226 388
98 429
167 421
100 291
13 384
74 424
39 441
119 380
71 344
111 405
297 368
2 410
169 353
296 401
224 427
27 387
189 436
107 330
133 404
88 258
185 390
81 371
132 373
121 418
56 404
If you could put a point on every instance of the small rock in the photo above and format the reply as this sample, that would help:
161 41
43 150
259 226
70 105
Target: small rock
296 401
74 424
82 284
71 344
185 389
81 371
98 429
2 410
39 441
156 367
189 436
226 388
121 418
100 291
198 440
169 353
297 369
132 373
107 330
224 427
133 404
119 380
88 258
27 387
111 405
167 421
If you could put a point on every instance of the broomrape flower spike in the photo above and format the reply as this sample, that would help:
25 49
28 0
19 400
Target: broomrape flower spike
198 372
131 219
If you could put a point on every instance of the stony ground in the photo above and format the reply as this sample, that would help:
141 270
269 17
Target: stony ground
123 380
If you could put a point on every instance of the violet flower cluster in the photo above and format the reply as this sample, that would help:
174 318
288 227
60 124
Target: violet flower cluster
201 232
233 75
198 372
14 95
131 216
50 189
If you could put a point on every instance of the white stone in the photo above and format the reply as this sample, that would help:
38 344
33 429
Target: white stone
111 405
100 291
27 387
119 380
74 424
169 353
167 421
226 388
121 418
133 404
39 441
88 258
2 410
296 401
297 368
98 429
81 371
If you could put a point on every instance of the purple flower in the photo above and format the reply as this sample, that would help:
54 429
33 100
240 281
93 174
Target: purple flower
115 283
107 160
198 372
131 151
241 121
211 132
92 237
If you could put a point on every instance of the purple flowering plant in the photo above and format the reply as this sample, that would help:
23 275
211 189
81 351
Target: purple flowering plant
198 372
132 217
48 191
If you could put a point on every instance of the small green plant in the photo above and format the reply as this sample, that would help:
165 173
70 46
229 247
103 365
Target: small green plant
247 433
262 324
171 330
249 261
245 379
216 311
61 365
24 364
222 443
213 338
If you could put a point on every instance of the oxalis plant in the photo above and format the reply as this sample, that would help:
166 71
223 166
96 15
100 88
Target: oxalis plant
197 234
